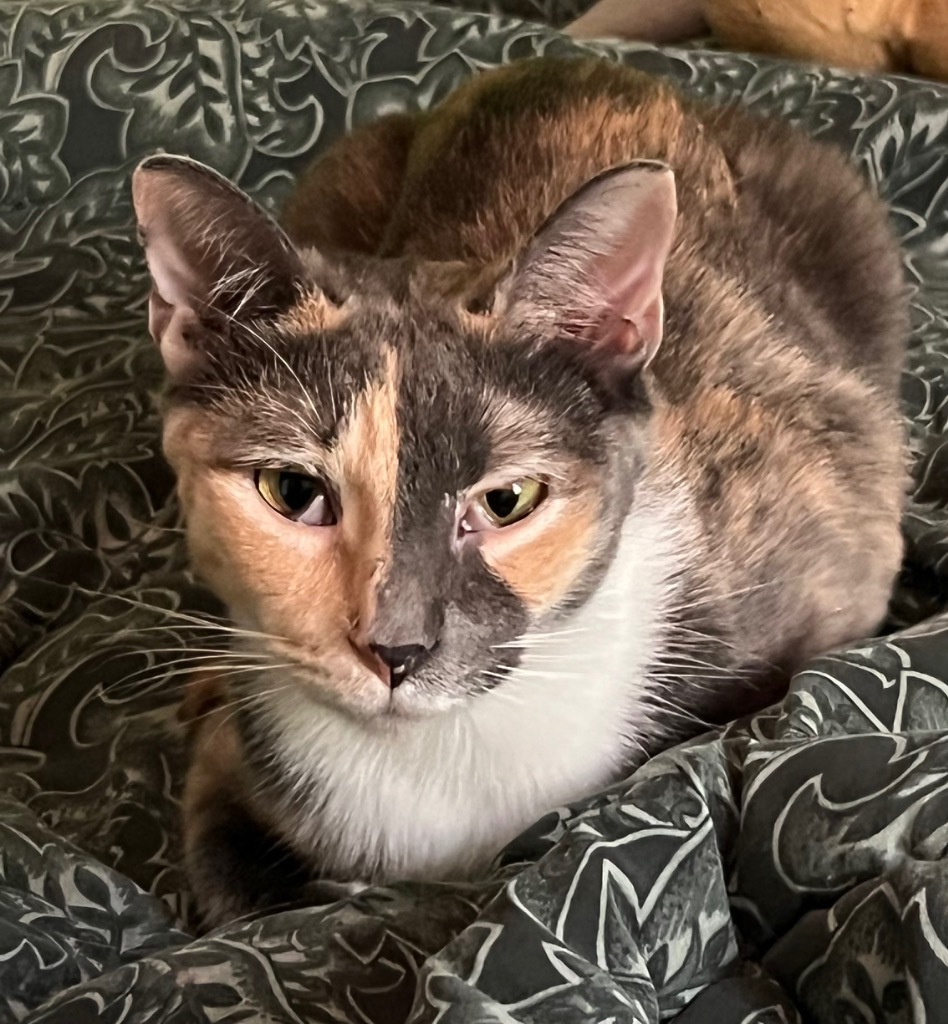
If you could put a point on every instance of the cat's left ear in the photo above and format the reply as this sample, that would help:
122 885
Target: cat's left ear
594 271
213 254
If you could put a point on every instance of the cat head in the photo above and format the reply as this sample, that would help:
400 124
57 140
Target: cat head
395 488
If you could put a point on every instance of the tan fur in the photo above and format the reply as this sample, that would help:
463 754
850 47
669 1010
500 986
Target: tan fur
847 34
218 779
871 35
204 692
541 559
868 35
468 289
368 462
217 764
316 589
217 758
312 314
645 120
797 493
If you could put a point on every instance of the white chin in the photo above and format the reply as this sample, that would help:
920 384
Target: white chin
410 701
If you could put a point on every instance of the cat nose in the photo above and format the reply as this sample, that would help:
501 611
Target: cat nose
401 661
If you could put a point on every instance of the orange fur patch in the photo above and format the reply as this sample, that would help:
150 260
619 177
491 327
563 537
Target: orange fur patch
314 587
218 771
541 560
204 692
314 312
217 761
367 461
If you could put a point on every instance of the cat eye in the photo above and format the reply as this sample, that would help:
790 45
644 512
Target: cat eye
297 496
504 506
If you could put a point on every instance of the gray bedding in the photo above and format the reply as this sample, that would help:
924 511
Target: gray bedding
789 868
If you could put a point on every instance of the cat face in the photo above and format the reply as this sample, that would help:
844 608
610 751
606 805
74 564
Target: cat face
392 492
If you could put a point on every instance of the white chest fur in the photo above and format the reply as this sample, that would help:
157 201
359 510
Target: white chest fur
440 797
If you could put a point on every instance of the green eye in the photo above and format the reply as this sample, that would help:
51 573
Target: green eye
507 505
297 496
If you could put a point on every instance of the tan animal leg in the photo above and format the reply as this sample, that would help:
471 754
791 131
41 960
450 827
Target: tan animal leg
668 21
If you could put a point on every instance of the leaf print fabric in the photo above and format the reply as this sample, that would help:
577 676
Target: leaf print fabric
791 867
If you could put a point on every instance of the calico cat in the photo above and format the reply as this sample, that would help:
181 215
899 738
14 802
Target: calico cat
559 420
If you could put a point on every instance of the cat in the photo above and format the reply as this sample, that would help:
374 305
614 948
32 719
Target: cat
551 426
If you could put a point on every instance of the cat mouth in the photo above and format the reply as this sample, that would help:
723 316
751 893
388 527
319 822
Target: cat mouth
411 702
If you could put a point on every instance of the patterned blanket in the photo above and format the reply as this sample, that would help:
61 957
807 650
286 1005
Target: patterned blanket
791 867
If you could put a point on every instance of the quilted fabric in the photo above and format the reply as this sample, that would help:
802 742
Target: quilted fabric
791 867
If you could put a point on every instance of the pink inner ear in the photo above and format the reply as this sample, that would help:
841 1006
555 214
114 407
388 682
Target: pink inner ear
171 305
177 279
159 315
630 272
594 271
170 217
169 326
636 336
201 233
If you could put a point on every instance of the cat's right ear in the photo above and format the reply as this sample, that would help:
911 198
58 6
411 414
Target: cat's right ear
594 271
214 255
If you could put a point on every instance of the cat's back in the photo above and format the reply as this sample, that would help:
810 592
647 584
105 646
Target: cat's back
809 242
771 223
492 162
